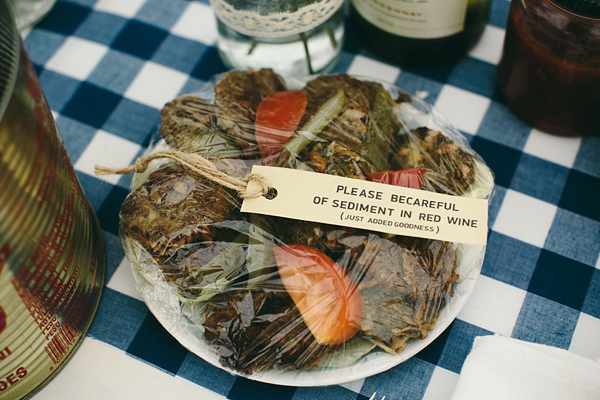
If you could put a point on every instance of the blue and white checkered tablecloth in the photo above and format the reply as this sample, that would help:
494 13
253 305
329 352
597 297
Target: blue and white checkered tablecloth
108 66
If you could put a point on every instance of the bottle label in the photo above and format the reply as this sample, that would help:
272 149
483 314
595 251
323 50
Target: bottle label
274 19
422 19
336 200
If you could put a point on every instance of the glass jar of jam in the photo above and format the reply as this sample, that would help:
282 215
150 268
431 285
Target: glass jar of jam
549 72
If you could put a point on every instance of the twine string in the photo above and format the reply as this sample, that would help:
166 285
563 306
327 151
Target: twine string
198 164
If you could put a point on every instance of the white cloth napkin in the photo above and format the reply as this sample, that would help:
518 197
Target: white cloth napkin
503 368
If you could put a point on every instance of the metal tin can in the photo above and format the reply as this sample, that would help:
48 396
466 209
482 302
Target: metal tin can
52 255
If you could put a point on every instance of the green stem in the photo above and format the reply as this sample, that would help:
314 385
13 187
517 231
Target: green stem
304 42
311 129
253 45
308 62
329 31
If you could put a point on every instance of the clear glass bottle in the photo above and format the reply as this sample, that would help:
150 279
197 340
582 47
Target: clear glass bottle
549 72
300 37
426 32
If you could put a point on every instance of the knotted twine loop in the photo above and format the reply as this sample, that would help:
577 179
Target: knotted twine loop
200 165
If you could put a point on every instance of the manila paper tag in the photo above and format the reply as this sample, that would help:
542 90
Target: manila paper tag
354 203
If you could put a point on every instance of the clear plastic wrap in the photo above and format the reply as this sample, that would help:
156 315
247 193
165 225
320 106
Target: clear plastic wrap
295 302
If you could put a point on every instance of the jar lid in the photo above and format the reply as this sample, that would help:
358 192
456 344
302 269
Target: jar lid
588 8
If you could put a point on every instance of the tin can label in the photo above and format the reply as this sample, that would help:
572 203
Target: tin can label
51 246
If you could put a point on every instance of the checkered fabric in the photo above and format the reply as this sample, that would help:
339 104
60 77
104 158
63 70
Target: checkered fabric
108 66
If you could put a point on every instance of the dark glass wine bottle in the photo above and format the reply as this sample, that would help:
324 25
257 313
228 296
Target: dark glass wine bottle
423 32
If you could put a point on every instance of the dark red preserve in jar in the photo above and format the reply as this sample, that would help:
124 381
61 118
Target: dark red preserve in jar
550 67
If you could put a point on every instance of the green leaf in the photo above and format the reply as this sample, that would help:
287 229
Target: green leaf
315 125
348 353
229 263
380 130
260 261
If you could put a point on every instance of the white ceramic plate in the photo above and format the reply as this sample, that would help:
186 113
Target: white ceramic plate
167 309
371 364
